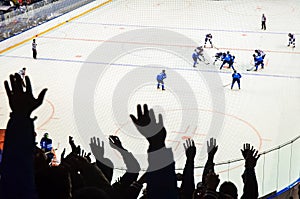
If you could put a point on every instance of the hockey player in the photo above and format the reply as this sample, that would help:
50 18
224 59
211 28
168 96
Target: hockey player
22 74
199 50
258 60
197 54
263 22
226 60
236 78
292 40
219 56
231 62
208 37
195 57
160 79
260 53
34 52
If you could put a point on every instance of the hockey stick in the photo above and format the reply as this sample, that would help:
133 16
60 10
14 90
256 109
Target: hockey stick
204 60
250 69
226 85
215 47
253 66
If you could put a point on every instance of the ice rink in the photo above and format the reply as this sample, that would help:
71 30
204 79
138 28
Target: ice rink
98 67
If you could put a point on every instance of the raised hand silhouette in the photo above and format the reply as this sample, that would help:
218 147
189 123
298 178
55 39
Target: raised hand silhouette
18 180
212 147
21 102
161 177
250 155
75 149
247 148
152 130
190 149
62 156
130 161
115 143
97 148
104 164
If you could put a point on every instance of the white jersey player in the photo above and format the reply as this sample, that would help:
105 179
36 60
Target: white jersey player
292 40
22 75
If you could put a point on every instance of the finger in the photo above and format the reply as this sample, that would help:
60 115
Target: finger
184 145
18 82
98 142
255 154
28 85
111 140
134 119
8 91
160 120
146 111
189 142
207 143
193 143
152 116
41 96
139 111
258 156
102 144
12 83
91 141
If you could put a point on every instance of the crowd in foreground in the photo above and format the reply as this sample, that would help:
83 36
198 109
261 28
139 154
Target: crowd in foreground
26 173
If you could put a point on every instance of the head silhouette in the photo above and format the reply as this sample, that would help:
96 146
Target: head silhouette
228 188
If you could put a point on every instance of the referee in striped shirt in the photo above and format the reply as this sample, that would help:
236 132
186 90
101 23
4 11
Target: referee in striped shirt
34 49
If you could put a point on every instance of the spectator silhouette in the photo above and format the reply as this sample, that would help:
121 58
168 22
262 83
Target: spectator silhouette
18 181
132 165
161 177
104 164
27 175
188 181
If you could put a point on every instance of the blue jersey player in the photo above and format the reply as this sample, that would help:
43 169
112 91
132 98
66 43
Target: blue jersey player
258 60
260 53
231 62
236 78
160 79
227 60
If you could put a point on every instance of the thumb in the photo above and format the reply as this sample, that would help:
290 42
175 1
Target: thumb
41 96
133 118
